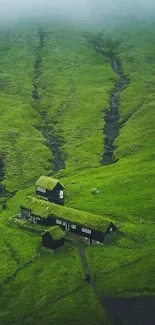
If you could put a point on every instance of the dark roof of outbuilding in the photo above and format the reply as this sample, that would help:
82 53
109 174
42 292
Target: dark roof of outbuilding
45 209
48 183
55 232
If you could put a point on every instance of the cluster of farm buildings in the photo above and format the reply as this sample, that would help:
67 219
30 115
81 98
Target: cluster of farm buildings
47 209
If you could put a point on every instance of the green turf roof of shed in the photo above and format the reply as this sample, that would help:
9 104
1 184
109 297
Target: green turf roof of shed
48 183
45 209
55 232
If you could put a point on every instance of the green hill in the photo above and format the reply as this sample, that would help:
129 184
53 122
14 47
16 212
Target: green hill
54 93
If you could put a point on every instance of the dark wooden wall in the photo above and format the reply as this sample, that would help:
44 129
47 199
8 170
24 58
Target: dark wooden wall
47 241
53 196
95 234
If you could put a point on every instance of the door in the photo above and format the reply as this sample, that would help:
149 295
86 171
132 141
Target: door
67 227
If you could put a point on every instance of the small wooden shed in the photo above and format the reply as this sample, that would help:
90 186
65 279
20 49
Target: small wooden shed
50 189
53 238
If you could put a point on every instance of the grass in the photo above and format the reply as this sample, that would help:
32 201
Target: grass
46 209
52 282
23 147
46 287
75 85
47 182
129 274
56 232
75 96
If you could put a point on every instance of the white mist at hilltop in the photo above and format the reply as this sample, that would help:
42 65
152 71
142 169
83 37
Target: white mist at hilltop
75 10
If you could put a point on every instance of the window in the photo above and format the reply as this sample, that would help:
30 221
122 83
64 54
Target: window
73 226
88 231
40 189
26 213
61 194
58 222
111 229
33 219
64 223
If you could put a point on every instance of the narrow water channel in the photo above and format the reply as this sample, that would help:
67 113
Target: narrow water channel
53 141
112 128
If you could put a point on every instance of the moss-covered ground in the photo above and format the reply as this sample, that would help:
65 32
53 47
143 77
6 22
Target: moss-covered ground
74 85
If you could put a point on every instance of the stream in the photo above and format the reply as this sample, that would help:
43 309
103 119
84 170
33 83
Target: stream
112 127
54 141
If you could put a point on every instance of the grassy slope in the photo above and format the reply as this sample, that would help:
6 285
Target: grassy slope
22 146
74 95
46 287
127 188
26 157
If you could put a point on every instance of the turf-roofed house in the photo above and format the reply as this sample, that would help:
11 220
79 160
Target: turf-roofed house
53 238
95 228
50 189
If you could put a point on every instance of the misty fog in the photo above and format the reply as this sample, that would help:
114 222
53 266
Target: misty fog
81 10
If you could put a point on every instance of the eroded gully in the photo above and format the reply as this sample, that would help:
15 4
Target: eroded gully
54 141
112 127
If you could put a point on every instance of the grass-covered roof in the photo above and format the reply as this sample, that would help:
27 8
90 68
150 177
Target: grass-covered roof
45 209
55 232
48 183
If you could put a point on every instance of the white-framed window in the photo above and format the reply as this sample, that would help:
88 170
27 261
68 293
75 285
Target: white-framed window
41 189
37 218
88 231
64 223
111 229
34 219
61 194
73 226
58 222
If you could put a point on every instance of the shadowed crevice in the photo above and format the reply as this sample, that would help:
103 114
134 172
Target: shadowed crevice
112 125
108 48
54 140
